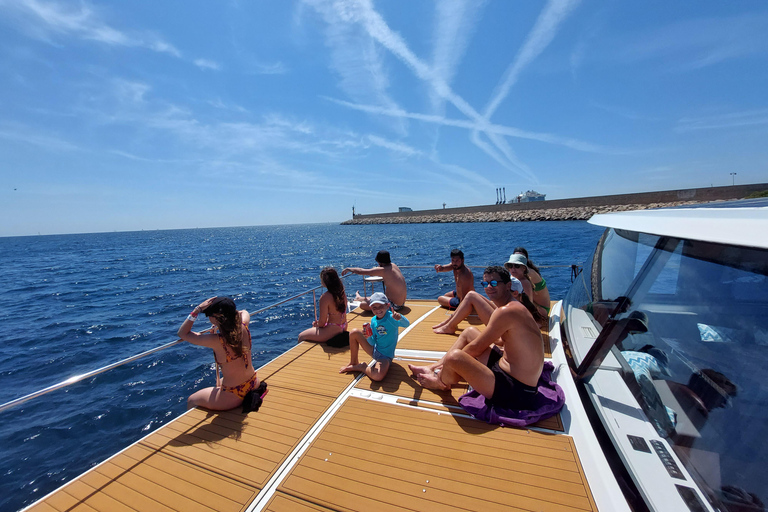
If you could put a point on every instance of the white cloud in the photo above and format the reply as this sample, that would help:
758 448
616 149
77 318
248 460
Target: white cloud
509 131
538 39
218 103
627 113
276 68
397 147
355 56
138 158
51 20
362 12
129 91
455 22
21 134
723 121
698 43
206 64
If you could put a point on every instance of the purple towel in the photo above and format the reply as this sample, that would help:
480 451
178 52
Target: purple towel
549 401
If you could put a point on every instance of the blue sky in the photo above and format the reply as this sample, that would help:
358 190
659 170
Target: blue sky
179 114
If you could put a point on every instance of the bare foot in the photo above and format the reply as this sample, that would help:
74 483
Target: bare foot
432 381
359 367
419 370
436 326
445 329
358 297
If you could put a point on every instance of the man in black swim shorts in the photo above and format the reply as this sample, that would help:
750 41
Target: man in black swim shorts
510 377
509 393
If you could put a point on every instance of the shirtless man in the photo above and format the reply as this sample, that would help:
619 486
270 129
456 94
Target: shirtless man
506 378
394 282
463 277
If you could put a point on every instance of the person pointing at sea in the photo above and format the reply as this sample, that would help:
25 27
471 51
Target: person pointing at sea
394 282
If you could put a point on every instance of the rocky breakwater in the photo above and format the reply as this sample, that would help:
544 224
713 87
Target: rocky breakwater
568 213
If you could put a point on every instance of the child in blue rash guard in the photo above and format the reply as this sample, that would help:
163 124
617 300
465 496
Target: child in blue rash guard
381 344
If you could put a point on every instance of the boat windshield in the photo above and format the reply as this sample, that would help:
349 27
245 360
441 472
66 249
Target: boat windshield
696 363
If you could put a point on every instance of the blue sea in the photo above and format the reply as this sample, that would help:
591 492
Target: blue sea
70 304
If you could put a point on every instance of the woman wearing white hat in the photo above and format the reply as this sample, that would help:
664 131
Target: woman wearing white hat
534 285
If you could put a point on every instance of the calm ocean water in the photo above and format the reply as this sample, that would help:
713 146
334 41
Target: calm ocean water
74 303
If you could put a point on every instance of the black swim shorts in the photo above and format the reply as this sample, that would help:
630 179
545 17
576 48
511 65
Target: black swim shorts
509 393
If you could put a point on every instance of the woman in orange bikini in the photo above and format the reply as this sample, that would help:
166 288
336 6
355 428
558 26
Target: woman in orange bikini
332 316
231 345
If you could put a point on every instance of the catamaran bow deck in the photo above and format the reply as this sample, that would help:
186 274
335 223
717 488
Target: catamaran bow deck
329 441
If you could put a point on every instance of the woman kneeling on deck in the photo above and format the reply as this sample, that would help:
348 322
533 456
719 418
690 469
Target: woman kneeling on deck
231 345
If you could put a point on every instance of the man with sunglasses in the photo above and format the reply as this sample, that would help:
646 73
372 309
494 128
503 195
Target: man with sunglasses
462 276
484 307
507 377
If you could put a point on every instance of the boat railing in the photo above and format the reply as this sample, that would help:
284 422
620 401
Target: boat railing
576 268
77 378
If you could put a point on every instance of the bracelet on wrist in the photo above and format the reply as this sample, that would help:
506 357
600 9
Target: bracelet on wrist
192 318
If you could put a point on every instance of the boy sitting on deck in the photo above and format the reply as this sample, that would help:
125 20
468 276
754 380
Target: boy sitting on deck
385 327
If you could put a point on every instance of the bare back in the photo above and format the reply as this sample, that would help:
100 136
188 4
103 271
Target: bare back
235 371
395 283
329 315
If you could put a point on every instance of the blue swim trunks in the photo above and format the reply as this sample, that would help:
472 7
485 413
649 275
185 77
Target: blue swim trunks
381 357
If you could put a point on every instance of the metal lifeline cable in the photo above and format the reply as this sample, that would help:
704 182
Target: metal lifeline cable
77 378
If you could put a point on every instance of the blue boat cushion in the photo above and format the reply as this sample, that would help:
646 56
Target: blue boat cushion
715 334
652 365
646 367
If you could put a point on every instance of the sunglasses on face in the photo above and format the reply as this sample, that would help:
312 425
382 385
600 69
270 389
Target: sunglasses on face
486 284
516 266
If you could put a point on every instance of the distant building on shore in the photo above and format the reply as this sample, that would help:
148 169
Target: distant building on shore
530 196
405 209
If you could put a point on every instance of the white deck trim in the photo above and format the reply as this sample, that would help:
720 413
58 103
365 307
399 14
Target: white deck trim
605 489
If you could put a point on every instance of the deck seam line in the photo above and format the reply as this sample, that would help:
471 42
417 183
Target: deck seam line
417 322
263 497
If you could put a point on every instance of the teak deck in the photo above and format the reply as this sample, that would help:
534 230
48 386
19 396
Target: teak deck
328 441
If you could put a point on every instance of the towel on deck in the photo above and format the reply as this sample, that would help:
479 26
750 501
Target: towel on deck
549 401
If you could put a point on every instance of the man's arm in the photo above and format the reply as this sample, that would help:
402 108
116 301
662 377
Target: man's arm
375 271
443 268
498 324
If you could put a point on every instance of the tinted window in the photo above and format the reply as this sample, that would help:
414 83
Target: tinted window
699 369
